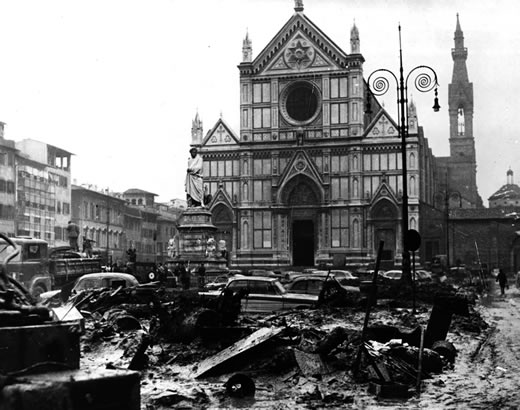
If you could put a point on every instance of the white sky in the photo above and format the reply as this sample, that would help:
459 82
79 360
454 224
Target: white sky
118 82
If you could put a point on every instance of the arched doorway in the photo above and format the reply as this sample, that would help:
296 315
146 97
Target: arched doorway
222 218
384 221
303 197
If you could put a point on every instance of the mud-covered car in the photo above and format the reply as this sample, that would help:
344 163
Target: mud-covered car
101 280
344 277
262 295
325 288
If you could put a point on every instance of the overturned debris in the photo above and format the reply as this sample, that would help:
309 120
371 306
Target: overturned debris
253 340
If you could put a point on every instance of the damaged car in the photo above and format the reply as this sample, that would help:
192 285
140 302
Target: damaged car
262 295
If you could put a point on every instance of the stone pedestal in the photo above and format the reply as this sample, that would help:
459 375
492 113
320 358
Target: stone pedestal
197 240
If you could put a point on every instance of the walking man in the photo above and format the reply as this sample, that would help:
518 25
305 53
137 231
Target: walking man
502 281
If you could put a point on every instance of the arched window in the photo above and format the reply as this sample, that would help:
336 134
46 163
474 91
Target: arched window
412 187
356 239
246 167
411 161
245 235
245 192
461 121
355 188
355 163
413 223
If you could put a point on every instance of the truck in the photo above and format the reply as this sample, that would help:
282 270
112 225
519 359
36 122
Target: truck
40 268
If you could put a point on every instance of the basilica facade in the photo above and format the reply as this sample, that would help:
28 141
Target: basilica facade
311 177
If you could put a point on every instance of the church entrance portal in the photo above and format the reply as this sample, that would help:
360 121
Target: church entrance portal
303 243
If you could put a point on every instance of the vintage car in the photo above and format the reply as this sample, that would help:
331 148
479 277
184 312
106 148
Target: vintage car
395 274
110 280
316 285
262 295
344 277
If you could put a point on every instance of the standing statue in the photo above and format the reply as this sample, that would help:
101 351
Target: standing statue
193 185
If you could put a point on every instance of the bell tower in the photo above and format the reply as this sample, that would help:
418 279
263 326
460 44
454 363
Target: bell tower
462 169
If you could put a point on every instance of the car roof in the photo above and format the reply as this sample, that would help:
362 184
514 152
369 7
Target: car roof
108 275
254 278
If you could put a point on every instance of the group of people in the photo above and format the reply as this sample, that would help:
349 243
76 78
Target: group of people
184 275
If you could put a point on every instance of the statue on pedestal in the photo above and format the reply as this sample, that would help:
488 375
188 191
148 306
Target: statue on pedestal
193 185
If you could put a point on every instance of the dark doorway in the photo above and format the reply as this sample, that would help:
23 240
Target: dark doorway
303 243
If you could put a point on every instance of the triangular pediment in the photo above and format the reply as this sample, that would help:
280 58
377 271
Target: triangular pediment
300 164
220 197
220 135
384 191
382 127
299 46
299 53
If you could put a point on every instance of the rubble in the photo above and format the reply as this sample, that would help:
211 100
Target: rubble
175 339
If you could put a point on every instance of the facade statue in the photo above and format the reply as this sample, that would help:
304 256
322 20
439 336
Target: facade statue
211 247
193 185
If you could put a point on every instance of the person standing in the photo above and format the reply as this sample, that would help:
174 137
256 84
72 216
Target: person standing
193 184
87 247
502 281
201 272
72 234
184 276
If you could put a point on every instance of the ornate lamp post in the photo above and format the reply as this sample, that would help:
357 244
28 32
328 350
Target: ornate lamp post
425 79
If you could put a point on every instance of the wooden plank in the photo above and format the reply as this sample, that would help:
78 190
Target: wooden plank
254 339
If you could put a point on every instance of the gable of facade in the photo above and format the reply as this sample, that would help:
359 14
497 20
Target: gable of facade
299 183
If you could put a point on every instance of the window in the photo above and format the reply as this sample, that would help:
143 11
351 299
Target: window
262 229
338 87
339 228
262 166
261 92
262 190
261 117
339 188
338 113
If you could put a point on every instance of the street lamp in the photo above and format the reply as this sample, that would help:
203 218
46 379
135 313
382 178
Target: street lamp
378 83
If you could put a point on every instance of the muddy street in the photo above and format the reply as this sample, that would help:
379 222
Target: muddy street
487 375
484 375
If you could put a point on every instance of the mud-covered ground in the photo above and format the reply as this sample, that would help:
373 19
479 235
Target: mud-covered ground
484 375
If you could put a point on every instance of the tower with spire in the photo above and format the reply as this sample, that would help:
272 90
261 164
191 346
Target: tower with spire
462 164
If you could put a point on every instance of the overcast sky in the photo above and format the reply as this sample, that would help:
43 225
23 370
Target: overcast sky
118 82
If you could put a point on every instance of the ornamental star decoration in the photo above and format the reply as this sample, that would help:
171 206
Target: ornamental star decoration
299 55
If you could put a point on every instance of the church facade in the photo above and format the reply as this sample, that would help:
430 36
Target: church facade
311 178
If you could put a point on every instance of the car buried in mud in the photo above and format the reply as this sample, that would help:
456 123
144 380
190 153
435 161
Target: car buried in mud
262 295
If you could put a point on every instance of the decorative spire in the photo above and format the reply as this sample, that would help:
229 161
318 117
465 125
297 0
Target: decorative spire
354 39
298 6
196 130
510 177
459 55
247 49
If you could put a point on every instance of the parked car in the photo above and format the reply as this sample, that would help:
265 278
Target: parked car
289 276
395 274
220 281
110 280
265 273
315 285
345 277
263 295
